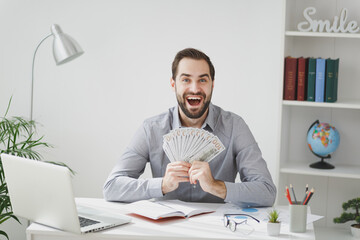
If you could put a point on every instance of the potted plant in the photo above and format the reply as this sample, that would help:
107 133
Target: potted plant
273 225
16 138
351 216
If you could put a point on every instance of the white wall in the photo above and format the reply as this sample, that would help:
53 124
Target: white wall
90 107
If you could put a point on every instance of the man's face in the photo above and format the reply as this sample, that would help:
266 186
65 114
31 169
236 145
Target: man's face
193 87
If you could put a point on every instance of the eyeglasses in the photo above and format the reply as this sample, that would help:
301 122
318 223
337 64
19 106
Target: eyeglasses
243 225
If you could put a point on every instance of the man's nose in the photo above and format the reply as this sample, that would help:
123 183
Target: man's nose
194 87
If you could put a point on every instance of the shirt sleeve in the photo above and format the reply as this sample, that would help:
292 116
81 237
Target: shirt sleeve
256 187
123 183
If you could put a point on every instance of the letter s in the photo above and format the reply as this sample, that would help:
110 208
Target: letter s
308 11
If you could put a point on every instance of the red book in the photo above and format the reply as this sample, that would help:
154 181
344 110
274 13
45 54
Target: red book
290 78
301 78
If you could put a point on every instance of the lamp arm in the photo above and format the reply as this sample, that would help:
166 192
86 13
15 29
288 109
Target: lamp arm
32 76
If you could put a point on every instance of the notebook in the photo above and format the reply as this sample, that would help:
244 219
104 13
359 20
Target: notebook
42 192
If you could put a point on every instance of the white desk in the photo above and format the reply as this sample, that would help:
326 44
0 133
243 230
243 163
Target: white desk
206 226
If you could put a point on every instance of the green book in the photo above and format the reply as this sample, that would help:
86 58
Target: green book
330 80
336 78
311 80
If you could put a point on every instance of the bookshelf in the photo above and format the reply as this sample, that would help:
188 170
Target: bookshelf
333 187
316 34
341 104
341 170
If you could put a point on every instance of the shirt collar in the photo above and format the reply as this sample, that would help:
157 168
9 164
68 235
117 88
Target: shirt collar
209 123
176 119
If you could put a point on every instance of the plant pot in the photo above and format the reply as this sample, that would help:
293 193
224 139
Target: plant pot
355 230
273 229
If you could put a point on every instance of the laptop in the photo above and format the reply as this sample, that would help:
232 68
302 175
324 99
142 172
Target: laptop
42 192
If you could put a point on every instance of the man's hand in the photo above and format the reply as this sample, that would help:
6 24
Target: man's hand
175 173
200 171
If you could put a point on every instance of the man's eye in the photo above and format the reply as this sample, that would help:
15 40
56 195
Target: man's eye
186 80
203 80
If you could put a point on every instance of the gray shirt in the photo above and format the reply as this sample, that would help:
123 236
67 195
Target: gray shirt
242 155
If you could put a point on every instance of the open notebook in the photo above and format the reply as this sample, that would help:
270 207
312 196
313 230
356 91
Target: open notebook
163 209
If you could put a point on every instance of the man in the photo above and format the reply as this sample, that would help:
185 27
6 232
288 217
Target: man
192 80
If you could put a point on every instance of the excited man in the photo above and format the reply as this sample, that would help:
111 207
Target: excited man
192 80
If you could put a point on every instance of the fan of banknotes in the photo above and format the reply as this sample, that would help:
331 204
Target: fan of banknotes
189 144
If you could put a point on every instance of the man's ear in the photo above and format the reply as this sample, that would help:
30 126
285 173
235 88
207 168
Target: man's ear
172 83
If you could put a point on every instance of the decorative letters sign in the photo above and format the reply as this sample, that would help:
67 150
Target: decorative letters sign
338 25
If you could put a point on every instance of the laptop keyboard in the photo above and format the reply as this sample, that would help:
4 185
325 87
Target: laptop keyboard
86 222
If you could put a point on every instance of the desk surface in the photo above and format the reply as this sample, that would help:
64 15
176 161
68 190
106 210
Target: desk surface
206 226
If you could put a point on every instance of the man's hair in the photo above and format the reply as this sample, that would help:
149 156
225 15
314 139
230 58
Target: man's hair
193 54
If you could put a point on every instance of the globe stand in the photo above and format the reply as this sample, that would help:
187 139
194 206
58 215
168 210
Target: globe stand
322 164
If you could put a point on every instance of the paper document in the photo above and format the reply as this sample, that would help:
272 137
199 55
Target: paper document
163 209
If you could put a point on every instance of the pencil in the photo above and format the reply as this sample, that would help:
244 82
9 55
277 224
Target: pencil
288 198
308 196
307 192
307 188
288 194
292 189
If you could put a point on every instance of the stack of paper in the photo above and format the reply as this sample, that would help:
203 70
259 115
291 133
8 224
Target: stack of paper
190 144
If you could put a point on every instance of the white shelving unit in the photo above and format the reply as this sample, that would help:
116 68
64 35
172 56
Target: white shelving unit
332 187
341 170
342 104
317 34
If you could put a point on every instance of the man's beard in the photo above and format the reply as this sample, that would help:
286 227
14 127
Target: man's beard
189 114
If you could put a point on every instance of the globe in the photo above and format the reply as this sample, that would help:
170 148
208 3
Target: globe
323 139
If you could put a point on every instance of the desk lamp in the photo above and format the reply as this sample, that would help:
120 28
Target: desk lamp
65 49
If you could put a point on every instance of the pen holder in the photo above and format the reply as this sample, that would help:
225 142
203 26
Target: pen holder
298 215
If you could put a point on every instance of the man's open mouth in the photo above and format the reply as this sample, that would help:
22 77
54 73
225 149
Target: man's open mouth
194 100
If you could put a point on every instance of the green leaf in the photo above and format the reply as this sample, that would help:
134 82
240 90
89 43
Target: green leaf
4 217
17 137
63 165
273 216
16 219
4 234
8 107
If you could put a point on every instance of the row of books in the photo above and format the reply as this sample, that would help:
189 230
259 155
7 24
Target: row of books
311 79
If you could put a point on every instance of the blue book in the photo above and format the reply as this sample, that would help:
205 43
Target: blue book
320 80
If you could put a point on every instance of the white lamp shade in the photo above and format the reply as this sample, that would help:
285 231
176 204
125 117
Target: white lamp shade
65 48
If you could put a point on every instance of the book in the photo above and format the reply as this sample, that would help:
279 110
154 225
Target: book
301 79
320 80
337 61
330 81
311 75
163 209
290 78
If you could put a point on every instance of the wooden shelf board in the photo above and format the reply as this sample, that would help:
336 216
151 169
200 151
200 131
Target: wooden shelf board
341 170
347 103
319 34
